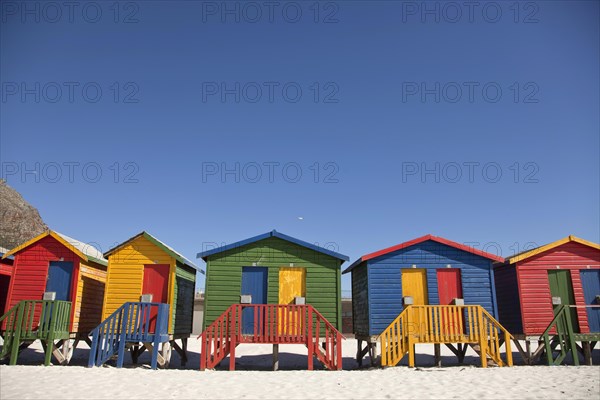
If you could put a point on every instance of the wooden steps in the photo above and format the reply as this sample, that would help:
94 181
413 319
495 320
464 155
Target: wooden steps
31 320
465 325
273 324
135 326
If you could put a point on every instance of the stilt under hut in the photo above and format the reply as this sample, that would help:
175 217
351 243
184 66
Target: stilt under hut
550 296
427 290
272 289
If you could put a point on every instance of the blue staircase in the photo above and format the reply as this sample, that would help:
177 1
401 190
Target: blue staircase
130 324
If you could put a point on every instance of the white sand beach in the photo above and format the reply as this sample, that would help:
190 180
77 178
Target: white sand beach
253 378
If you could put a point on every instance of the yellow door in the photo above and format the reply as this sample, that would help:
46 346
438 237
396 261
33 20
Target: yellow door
292 284
414 284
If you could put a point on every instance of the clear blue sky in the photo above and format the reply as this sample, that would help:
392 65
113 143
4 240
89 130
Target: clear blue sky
374 127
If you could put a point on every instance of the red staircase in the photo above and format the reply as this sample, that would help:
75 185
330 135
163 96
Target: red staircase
276 324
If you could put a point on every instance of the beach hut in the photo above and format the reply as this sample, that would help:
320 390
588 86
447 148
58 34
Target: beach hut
6 268
145 269
534 286
274 289
55 267
427 290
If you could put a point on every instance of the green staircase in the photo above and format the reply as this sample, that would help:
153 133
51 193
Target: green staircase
32 320
559 338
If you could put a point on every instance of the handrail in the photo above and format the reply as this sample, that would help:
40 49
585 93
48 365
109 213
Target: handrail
493 342
564 334
444 324
332 354
131 322
394 340
272 323
216 340
34 319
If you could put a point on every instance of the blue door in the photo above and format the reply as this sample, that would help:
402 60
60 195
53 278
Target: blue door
590 280
59 279
254 283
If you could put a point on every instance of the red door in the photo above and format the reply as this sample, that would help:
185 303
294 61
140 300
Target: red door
156 283
449 285
450 288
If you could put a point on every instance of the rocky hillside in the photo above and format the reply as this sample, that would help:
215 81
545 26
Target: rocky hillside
19 221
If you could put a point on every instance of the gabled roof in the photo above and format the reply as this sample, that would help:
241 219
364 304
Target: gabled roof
85 251
421 239
530 253
167 249
205 254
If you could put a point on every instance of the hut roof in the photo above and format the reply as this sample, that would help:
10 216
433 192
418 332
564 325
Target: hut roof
421 239
533 252
83 250
167 249
205 254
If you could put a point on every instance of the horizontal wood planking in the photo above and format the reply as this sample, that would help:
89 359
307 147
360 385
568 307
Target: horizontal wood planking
507 292
360 301
6 267
534 288
385 280
183 312
90 294
224 276
31 270
126 272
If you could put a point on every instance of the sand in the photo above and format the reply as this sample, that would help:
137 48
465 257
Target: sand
253 379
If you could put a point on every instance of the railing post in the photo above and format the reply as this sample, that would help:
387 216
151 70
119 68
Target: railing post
548 348
482 338
16 342
570 337
509 357
95 336
157 335
409 339
203 355
338 349
311 345
232 336
122 336
50 337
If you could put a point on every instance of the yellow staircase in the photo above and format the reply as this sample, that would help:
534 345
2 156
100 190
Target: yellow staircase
470 325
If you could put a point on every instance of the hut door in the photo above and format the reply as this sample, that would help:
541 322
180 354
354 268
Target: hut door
254 283
59 279
590 280
450 288
156 283
292 284
560 286
449 285
414 284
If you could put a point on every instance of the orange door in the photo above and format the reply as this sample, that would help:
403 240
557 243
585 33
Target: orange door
414 284
292 284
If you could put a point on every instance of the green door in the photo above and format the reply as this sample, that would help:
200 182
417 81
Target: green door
560 286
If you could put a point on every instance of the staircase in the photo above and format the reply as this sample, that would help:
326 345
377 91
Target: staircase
560 339
130 325
272 323
471 325
31 320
